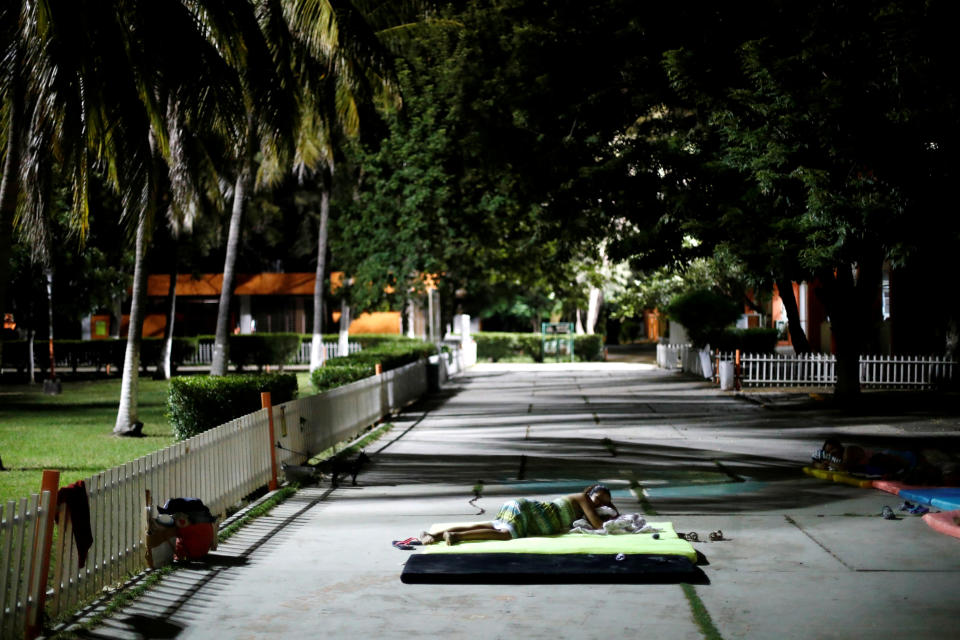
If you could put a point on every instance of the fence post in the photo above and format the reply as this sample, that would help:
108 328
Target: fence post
736 370
42 542
268 405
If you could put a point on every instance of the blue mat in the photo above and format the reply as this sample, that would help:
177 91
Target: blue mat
705 490
946 498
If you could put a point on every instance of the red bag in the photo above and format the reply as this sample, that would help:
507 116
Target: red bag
194 541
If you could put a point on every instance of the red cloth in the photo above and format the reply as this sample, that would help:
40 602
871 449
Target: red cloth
75 497
194 541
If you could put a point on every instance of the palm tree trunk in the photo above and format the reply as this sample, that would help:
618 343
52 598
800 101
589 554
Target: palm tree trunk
343 345
51 386
241 191
164 367
595 302
31 364
316 347
128 423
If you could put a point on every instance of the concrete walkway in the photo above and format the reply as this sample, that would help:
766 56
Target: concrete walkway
803 559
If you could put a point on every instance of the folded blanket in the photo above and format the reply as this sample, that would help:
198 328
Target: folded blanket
626 523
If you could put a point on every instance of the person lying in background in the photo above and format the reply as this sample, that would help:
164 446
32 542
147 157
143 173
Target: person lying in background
928 468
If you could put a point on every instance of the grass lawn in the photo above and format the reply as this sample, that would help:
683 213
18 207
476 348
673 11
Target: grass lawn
72 432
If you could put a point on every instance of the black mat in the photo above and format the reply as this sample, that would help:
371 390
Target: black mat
539 568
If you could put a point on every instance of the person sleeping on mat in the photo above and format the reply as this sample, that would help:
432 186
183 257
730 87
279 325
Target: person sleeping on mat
923 468
523 517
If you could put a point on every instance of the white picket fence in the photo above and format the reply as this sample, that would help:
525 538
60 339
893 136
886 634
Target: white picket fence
204 353
219 466
814 369
20 526
876 372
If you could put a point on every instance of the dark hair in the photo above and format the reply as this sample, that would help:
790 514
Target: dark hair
832 441
594 488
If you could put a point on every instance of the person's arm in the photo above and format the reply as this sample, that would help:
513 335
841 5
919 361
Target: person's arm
588 511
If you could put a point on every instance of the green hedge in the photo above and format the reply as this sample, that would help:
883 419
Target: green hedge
705 314
496 346
332 376
391 355
151 348
95 353
262 349
391 352
747 340
198 403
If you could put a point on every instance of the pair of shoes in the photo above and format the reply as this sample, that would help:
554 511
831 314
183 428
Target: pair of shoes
716 536
906 505
403 546
413 541
918 510
888 514
689 537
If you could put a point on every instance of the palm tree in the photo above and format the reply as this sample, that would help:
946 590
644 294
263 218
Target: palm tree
11 125
192 109
326 54
268 95
343 68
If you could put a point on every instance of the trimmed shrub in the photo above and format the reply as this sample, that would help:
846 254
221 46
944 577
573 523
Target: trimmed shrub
391 355
495 345
530 344
759 340
747 340
151 348
332 376
587 348
198 403
705 314
262 349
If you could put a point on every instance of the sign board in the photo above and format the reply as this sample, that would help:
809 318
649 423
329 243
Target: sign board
557 340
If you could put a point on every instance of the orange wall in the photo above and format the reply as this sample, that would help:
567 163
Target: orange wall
375 322
153 325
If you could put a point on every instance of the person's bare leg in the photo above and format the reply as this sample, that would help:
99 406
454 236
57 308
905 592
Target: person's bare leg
430 538
453 537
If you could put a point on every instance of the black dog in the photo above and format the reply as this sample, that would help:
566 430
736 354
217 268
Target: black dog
337 466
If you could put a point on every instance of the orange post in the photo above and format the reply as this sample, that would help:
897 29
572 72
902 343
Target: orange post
378 368
268 405
42 543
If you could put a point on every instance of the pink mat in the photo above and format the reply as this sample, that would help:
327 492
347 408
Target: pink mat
894 487
943 522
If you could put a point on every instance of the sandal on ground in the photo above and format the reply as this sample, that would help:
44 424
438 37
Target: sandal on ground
400 544
716 536
689 537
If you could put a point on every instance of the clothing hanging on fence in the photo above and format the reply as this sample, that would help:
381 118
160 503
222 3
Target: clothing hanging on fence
74 496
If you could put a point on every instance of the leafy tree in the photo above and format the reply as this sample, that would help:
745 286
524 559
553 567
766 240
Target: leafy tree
824 125
704 314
